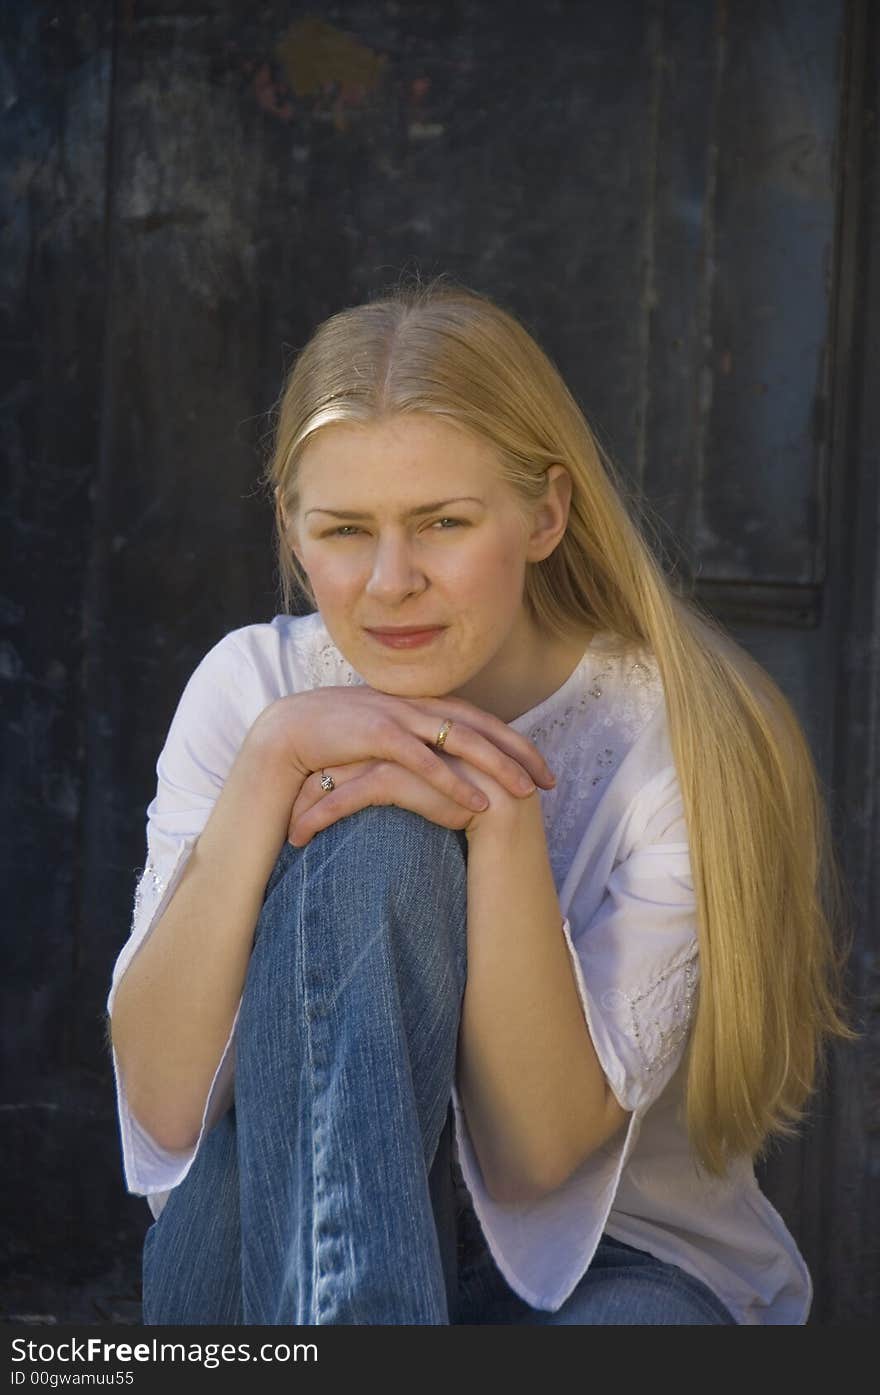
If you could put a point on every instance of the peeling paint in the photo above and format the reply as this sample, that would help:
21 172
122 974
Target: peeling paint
11 665
314 53
61 795
270 94
319 60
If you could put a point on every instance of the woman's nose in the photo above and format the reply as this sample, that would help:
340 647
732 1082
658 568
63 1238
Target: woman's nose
394 573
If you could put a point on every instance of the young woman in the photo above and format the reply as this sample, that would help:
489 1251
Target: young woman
487 933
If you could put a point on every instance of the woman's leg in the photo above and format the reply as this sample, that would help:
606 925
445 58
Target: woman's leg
623 1286
191 1259
345 1054
627 1286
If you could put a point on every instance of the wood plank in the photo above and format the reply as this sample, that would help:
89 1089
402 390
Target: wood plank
56 1165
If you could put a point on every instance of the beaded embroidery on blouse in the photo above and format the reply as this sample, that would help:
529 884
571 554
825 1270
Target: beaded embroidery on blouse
585 741
658 1023
659 1040
151 882
323 662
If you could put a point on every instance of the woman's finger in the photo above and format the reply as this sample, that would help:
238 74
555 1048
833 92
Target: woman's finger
502 749
396 744
342 724
473 747
383 784
337 804
311 790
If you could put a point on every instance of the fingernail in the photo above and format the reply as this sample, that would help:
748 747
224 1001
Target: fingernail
479 801
526 785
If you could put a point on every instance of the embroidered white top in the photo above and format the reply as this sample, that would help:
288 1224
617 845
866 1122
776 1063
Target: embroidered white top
618 848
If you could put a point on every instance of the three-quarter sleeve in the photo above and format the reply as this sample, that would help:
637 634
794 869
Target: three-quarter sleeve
634 958
216 708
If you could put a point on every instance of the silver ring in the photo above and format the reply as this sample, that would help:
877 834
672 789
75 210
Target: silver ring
327 782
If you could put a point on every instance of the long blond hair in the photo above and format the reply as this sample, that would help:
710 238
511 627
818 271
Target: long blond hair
771 898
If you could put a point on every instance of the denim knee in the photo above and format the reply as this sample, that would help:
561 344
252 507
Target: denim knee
398 838
403 859
403 856
395 828
378 896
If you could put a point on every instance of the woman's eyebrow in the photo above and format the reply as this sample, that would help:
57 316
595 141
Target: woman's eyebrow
411 513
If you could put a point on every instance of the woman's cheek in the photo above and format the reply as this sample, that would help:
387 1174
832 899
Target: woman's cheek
486 571
504 576
334 577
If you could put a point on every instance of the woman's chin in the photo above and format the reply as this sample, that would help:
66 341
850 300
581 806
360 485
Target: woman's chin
405 682
396 686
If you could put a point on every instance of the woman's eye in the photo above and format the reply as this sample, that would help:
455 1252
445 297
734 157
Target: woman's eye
348 530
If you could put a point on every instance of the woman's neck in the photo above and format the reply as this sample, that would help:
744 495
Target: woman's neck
524 677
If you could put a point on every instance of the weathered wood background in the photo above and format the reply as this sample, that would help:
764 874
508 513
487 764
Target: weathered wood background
678 197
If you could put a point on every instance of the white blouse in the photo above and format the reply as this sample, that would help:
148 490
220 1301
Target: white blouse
618 848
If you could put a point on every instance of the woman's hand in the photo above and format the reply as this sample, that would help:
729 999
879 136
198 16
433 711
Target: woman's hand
375 782
355 726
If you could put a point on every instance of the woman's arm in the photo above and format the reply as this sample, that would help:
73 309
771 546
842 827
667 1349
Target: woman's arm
176 1002
536 1099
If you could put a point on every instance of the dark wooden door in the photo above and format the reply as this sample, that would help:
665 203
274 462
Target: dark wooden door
679 198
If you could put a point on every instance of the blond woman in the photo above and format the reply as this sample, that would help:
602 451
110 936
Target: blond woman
488 931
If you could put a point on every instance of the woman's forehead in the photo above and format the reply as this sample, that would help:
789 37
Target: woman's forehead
399 456
424 432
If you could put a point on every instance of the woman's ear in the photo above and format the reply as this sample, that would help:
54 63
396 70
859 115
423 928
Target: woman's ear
550 514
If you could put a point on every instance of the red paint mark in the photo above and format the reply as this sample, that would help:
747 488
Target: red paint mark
354 93
344 94
270 94
419 87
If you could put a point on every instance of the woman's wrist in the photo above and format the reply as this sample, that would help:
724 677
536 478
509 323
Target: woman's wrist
504 819
273 737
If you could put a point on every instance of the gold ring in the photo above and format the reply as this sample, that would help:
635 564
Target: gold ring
442 734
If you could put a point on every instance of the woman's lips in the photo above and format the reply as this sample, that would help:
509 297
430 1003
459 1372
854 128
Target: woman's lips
402 639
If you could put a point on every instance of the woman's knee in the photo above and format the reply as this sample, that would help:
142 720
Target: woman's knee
378 849
394 863
381 857
657 1294
397 838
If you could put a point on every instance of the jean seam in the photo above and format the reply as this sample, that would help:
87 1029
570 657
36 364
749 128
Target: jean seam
314 1295
315 1009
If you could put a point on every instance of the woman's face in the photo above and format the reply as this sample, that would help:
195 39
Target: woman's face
407 523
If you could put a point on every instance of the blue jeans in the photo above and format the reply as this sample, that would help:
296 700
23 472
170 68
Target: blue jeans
328 1194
